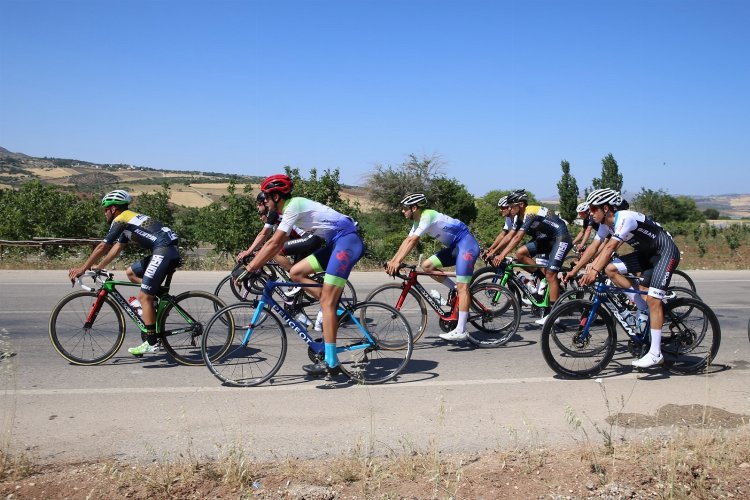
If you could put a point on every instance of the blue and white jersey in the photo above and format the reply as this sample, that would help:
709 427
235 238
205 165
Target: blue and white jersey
316 218
443 228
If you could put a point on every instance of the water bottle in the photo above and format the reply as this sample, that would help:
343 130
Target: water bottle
542 286
438 298
628 317
136 304
303 319
642 322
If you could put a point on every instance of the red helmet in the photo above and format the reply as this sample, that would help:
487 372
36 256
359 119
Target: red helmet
279 183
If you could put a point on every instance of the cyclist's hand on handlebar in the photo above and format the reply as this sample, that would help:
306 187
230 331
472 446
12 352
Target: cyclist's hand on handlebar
75 272
392 267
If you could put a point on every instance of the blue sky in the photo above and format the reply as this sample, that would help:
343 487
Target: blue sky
501 91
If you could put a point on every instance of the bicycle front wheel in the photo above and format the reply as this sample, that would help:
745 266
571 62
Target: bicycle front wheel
374 342
228 291
691 335
573 351
682 279
495 312
85 336
182 323
413 307
249 357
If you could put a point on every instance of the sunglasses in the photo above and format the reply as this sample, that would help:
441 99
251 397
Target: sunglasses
594 208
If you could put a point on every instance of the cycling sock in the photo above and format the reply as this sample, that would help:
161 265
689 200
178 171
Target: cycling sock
463 317
655 349
151 334
332 359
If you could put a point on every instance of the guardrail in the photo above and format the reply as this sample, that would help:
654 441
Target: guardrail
42 242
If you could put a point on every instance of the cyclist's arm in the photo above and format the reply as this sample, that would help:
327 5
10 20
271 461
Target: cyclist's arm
586 257
513 243
100 250
406 247
259 239
497 244
111 255
585 235
269 249
601 260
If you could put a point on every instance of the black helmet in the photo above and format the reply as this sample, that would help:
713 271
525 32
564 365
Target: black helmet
518 196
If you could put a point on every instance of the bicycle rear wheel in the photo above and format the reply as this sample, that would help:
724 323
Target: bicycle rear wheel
246 361
682 279
495 312
691 335
182 323
569 350
383 355
228 291
84 338
413 307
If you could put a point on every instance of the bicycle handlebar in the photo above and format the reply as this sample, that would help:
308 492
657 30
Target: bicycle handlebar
99 276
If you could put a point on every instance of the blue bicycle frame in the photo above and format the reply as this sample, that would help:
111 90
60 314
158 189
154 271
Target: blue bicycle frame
602 296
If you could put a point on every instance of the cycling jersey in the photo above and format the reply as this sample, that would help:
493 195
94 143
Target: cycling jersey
443 228
510 222
589 221
540 222
147 232
316 218
637 230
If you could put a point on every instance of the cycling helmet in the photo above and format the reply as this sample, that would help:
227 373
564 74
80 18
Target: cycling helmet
582 207
261 197
418 199
279 183
518 196
503 202
604 196
117 197
624 205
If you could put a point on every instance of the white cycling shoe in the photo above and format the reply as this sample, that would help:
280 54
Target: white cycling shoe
648 361
453 336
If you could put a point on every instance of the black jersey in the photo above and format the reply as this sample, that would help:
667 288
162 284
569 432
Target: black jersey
147 232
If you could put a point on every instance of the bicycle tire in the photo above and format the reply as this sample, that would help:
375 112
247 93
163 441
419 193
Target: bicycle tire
496 279
690 341
495 313
479 273
199 307
86 346
228 291
244 364
563 348
413 307
580 293
681 278
393 343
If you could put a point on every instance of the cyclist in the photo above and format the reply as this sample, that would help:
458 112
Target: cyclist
505 235
344 247
655 255
150 272
461 250
549 237
579 242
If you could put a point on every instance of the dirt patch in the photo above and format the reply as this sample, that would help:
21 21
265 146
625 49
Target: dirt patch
711 465
696 416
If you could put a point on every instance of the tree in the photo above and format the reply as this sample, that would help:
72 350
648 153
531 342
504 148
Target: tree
156 205
231 224
567 189
611 176
388 184
711 213
665 209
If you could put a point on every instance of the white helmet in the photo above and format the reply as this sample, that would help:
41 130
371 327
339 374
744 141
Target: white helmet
503 202
604 196
582 207
418 199
116 197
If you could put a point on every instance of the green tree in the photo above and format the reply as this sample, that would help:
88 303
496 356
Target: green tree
611 176
666 209
711 213
156 205
567 189
230 224
388 185
488 222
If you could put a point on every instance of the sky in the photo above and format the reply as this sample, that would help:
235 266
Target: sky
499 91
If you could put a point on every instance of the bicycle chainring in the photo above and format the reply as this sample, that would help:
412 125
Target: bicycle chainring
315 357
448 325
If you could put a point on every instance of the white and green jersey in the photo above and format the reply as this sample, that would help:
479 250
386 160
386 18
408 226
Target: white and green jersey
443 228
316 218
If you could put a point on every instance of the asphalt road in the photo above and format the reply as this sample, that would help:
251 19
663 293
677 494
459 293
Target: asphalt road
453 397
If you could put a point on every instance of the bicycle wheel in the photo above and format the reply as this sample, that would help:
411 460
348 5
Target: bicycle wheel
495 312
182 323
691 335
682 279
348 295
228 291
84 338
571 352
246 361
413 307
496 279
385 354
581 293
479 273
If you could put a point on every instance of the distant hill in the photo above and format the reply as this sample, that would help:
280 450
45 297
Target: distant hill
197 189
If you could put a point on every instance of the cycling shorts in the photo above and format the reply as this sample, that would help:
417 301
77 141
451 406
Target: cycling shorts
337 258
463 254
302 247
154 268
655 268
555 249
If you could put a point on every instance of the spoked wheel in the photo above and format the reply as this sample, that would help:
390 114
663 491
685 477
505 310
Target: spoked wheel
682 279
383 355
83 336
495 312
228 291
572 350
579 293
413 307
248 357
691 335
183 322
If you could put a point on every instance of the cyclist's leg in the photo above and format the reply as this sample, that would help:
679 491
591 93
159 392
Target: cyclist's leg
135 271
162 260
467 253
557 253
433 264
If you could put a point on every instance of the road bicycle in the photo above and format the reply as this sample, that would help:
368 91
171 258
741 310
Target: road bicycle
374 341
252 286
494 311
580 336
87 327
